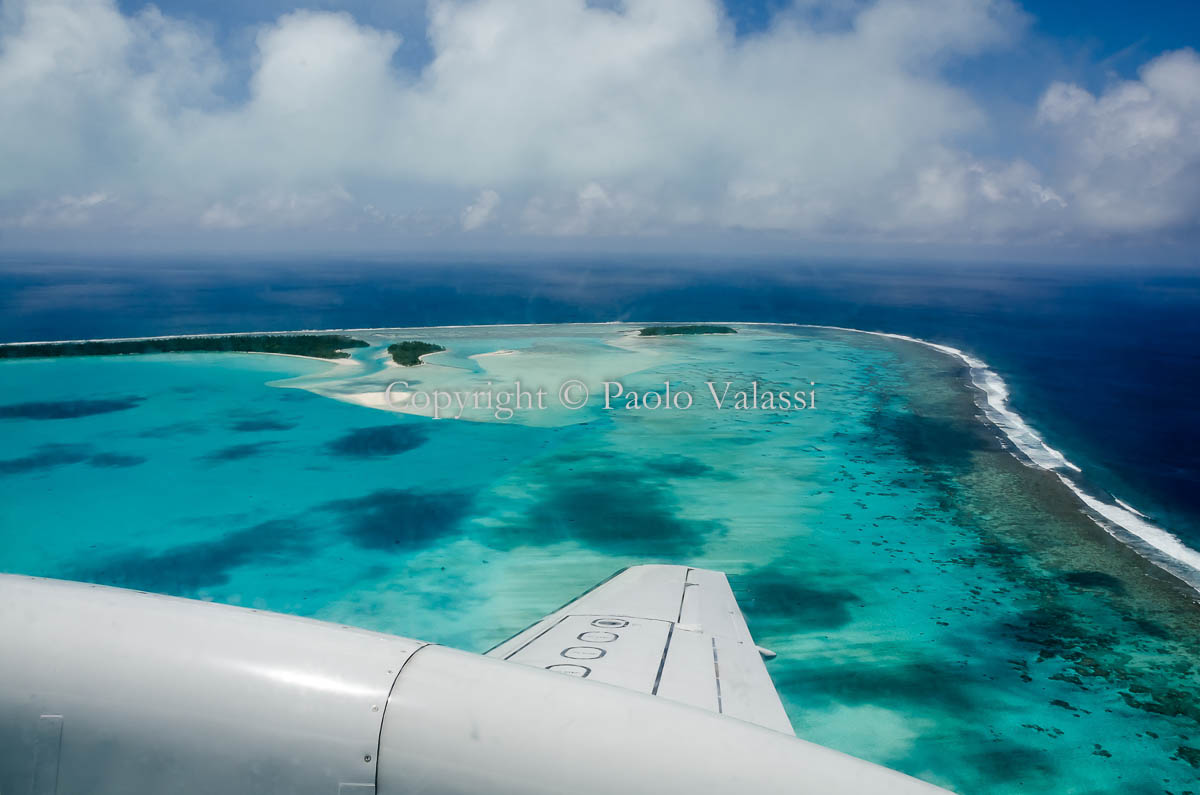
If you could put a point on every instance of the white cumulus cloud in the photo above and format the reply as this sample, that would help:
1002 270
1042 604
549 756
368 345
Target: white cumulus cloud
645 117
479 211
1130 157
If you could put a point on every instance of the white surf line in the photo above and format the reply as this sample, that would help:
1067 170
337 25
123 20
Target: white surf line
1025 438
1131 522
1107 515
1130 508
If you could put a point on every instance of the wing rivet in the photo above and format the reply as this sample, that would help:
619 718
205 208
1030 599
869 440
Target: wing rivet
367 758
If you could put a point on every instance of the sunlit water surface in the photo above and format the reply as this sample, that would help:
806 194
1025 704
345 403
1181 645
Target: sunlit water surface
936 606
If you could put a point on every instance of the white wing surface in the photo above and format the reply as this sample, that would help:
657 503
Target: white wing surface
670 631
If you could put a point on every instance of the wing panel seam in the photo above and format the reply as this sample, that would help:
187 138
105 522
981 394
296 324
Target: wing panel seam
663 662
527 643
683 594
717 674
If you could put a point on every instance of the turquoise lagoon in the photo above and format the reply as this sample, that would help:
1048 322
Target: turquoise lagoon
936 605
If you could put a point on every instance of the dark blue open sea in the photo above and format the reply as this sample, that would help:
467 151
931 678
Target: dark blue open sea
1103 362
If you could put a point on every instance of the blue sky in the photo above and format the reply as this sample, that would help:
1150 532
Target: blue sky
1105 28
984 128
1117 26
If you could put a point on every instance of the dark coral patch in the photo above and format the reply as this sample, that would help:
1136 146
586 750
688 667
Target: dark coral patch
1011 762
378 441
1094 579
679 466
933 441
238 452
399 519
776 595
580 456
611 503
47 457
255 425
66 409
188 568
908 687
617 510
115 460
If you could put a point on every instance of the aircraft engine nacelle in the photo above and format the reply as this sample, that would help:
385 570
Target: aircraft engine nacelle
112 692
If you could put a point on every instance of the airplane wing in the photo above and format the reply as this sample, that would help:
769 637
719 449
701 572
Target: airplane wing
670 631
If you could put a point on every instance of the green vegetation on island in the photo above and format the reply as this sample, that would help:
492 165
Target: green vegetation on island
409 353
665 331
321 346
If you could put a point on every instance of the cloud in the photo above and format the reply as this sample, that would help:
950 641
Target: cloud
479 211
1131 156
641 118
276 208
64 211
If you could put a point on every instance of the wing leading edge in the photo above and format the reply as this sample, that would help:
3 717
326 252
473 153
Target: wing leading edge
670 631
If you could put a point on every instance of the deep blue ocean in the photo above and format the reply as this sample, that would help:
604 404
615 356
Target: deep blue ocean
1105 363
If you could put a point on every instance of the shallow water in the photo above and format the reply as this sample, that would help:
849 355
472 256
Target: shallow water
936 605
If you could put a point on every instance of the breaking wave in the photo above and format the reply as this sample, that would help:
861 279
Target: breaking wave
1119 518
